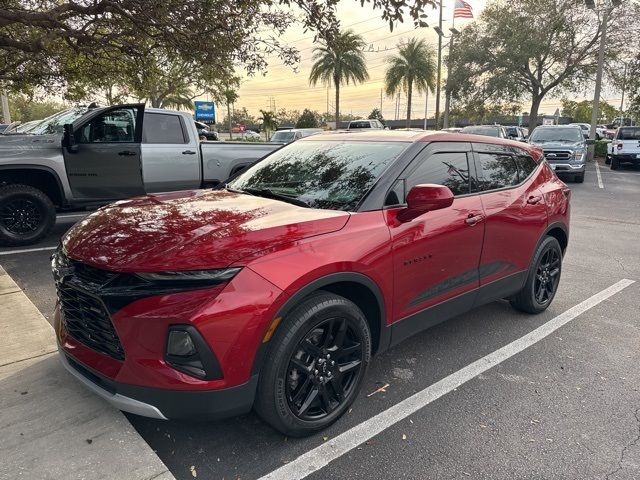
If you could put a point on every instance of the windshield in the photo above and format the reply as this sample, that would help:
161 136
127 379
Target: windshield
557 134
488 131
360 125
629 133
322 174
55 123
283 136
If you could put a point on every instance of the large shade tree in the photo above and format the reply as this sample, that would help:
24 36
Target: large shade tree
51 43
529 49
339 61
413 68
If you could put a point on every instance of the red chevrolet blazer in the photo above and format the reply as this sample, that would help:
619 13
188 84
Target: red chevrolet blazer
273 291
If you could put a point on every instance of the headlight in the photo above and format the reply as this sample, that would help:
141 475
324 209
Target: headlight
578 156
190 277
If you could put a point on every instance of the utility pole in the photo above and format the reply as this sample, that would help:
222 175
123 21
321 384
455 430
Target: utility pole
327 101
439 74
595 114
426 104
380 101
5 108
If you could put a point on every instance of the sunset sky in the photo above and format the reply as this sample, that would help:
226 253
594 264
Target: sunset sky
291 89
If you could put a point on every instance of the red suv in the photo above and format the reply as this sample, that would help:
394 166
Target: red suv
274 291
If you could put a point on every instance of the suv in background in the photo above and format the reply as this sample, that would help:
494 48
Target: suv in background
516 133
624 148
497 131
564 147
367 123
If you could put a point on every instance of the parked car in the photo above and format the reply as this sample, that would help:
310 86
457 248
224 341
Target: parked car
486 130
83 157
564 147
516 133
206 132
288 136
624 148
452 130
274 292
586 130
366 124
249 135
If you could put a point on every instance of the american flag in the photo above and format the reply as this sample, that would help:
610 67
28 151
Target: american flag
462 10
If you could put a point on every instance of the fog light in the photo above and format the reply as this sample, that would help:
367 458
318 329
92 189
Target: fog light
180 344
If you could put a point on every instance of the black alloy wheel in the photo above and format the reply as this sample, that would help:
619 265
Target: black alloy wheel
543 278
26 215
547 276
324 368
315 365
21 216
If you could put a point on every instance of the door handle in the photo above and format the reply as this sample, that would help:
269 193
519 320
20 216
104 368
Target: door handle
188 152
473 219
533 199
127 153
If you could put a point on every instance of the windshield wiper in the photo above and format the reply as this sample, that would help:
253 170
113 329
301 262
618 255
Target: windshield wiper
266 192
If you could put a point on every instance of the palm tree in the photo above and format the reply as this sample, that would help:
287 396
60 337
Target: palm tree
413 67
269 122
229 97
338 61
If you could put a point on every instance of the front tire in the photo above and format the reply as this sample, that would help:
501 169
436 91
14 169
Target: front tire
579 178
315 367
607 160
26 215
615 164
543 278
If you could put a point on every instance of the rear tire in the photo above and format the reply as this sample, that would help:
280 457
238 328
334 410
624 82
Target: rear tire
579 178
315 366
543 278
615 164
607 160
26 215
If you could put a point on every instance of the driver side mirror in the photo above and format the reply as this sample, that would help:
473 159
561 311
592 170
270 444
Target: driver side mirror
425 198
68 140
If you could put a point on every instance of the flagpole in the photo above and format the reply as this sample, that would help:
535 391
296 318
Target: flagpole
447 95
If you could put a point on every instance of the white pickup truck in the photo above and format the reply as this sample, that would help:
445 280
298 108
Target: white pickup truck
624 148
92 156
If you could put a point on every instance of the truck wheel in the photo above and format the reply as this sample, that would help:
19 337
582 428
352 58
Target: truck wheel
579 178
26 215
614 163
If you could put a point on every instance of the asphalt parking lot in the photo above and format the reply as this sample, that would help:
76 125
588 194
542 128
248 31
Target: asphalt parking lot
566 407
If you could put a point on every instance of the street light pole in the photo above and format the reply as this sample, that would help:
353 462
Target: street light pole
447 93
595 114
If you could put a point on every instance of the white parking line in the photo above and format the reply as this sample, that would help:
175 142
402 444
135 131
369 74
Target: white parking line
28 250
320 456
599 176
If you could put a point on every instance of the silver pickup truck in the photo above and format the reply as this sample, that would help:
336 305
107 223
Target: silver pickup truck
92 156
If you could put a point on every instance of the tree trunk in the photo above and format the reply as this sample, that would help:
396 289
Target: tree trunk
533 113
156 102
229 118
337 83
409 93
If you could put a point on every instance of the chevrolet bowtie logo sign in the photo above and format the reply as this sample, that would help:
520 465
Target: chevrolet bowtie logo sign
205 111
205 107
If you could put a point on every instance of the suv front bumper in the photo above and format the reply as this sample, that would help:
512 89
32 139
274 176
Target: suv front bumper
165 404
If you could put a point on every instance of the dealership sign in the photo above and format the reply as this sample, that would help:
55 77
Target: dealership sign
205 111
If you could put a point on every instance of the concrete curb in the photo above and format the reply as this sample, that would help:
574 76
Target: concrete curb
52 427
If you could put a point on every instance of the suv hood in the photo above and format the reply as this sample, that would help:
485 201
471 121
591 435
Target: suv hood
192 230
559 145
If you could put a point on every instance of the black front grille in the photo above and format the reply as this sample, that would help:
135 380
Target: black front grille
87 320
94 276
557 155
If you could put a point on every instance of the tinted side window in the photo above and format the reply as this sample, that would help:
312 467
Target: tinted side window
448 169
498 171
113 126
162 128
526 164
